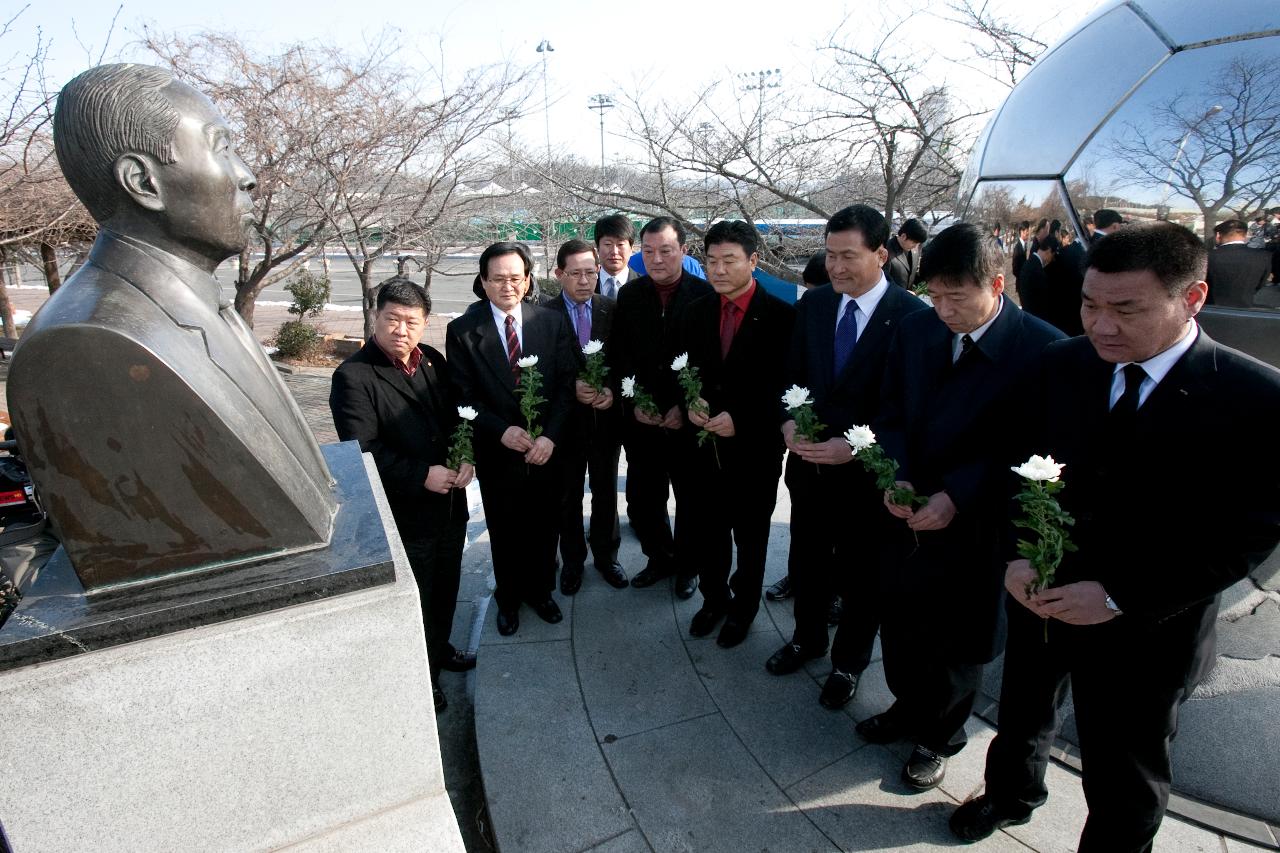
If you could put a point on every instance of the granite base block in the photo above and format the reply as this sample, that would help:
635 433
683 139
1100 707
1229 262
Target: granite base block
309 727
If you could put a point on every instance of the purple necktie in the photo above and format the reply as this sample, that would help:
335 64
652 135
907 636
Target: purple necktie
584 323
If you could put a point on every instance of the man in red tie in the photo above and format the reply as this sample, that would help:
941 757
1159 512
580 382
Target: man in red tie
735 338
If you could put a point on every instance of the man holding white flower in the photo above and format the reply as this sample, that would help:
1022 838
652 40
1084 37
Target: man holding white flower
593 450
394 397
733 338
842 335
954 379
502 355
1141 416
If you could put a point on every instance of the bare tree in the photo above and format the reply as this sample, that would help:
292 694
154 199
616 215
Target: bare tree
1218 147
996 40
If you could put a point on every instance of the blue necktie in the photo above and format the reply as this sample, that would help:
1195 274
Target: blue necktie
846 336
583 323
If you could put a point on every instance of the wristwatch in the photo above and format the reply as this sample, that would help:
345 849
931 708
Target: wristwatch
1112 606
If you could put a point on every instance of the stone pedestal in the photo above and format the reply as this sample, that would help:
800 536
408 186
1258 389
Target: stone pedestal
309 726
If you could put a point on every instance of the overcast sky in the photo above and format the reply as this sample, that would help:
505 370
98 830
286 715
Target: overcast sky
598 49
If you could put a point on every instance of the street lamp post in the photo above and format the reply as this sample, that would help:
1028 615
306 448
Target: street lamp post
601 104
758 81
544 47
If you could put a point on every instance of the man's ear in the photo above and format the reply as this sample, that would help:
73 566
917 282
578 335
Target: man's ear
135 173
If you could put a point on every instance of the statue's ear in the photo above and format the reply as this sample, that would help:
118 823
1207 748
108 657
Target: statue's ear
135 173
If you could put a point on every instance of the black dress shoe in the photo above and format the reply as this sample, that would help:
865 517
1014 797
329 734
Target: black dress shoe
705 621
780 591
925 769
437 695
733 633
838 690
547 610
789 658
458 661
651 574
508 622
882 728
686 586
570 579
613 574
835 611
981 817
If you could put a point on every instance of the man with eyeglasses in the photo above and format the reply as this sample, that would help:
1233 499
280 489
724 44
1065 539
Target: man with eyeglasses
488 349
593 447
644 343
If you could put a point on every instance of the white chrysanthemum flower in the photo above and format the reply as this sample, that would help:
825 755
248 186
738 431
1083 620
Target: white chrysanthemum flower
629 386
1040 468
527 361
681 361
467 413
859 438
795 397
593 346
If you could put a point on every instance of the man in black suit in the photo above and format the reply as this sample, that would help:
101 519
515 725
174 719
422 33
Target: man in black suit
903 266
838 352
394 397
517 472
1105 221
1020 249
1143 414
1236 271
645 339
952 382
1065 276
593 449
1033 284
614 236
734 337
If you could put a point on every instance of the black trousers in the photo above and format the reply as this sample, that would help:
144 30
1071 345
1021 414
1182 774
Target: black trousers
521 513
835 532
1127 682
933 695
433 532
595 460
657 461
733 503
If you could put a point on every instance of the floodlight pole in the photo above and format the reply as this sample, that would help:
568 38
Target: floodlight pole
601 104
769 78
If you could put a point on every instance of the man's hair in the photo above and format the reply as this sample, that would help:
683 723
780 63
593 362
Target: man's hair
1171 252
1024 224
913 229
815 272
573 247
399 290
1042 223
1231 226
1106 217
106 112
733 231
864 219
661 223
505 247
961 254
617 226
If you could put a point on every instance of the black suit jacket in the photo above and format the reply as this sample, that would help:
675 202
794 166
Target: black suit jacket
1168 514
1019 257
748 383
483 379
585 418
853 397
903 267
1236 273
941 422
406 432
1033 287
1066 277
645 336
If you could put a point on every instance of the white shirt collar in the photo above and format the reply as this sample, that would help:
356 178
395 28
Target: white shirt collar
867 302
500 318
957 340
620 278
1233 243
1156 367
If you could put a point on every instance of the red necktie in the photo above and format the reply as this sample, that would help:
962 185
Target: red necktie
728 328
513 347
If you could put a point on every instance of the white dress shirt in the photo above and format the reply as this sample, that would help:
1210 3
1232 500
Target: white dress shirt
957 342
1156 367
867 303
500 320
619 280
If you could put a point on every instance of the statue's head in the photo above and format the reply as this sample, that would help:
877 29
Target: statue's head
147 153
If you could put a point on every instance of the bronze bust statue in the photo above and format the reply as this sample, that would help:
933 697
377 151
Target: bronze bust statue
156 429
